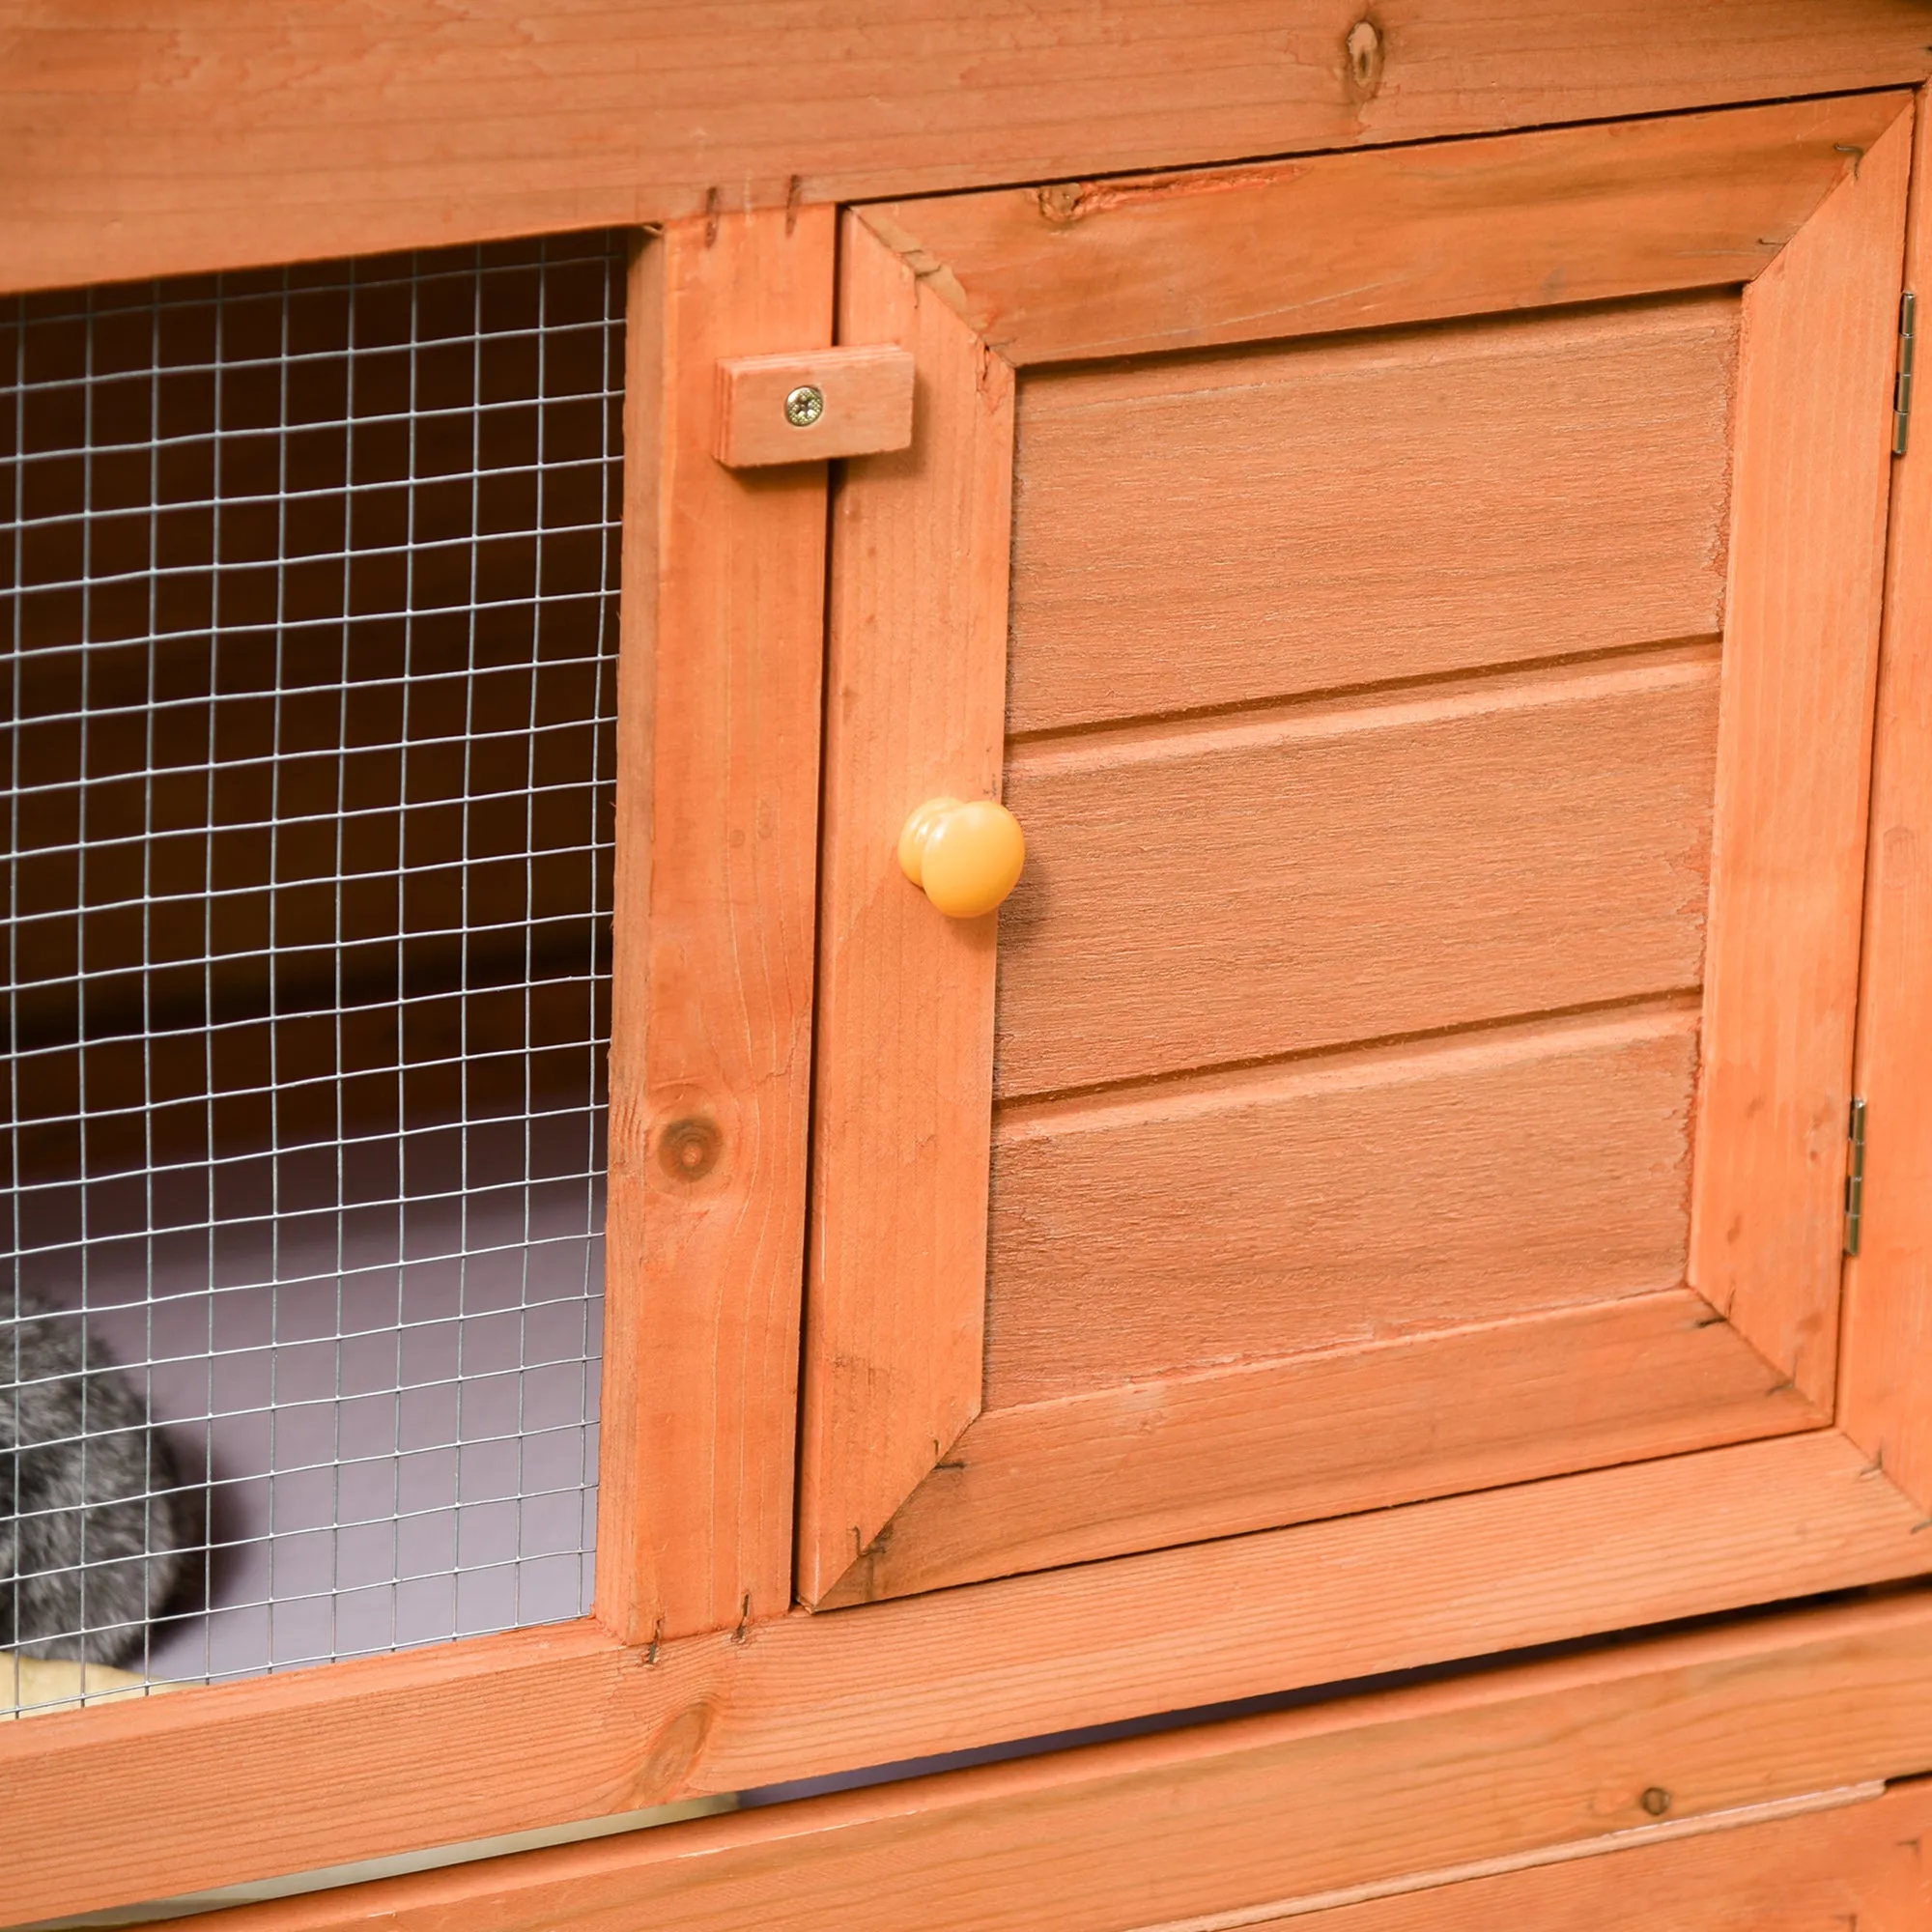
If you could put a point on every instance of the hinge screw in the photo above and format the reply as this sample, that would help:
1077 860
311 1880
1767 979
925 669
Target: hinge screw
1855 1180
805 406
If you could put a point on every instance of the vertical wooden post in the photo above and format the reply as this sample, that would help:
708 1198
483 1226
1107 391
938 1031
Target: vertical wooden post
717 838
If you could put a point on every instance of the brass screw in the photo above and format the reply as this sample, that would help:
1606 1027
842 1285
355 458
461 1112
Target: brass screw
1656 1801
805 406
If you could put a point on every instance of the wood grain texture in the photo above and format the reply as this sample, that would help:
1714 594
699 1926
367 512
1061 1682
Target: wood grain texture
1191 533
1283 248
711 1041
1220 1453
1886 1376
1354 869
916 669
1800 651
551 1725
1542 1760
1853 1857
1338 1201
145 140
864 394
1819 1863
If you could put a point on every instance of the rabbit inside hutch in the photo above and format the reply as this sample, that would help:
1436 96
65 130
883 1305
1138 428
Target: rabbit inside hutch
314 607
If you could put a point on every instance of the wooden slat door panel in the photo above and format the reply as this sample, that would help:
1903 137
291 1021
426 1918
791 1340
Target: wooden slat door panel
1276 1206
1425 1013
1276 883
1595 441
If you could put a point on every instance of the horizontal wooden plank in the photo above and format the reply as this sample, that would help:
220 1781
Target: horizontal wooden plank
1835 1859
1203 1830
181 1793
144 139
1356 870
1215 1453
1522 221
1221 529
1339 1202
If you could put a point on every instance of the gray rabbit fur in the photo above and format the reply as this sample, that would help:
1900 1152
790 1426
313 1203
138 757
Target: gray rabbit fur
94 1523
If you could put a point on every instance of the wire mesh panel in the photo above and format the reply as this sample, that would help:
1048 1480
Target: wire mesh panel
312 582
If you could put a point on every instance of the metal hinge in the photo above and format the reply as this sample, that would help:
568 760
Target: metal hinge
1901 383
1854 1180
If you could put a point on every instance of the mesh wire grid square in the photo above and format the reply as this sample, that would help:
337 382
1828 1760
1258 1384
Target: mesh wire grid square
313 598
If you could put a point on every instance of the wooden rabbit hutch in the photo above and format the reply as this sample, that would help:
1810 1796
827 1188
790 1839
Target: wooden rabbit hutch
887 880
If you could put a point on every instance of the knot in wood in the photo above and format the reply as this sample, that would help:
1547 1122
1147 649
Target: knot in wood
1656 1801
1365 57
1060 201
688 1149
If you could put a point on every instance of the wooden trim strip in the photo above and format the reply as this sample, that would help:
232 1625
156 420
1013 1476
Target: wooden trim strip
1813 444
1886 1391
1521 221
1187 1456
916 637
548 1726
1190 1828
711 1036
174 138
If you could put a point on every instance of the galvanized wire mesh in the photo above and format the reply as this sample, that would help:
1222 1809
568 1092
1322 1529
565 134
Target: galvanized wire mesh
311 579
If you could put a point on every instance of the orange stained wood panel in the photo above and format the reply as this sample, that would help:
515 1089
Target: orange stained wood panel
1354 868
554 1725
1222 528
1795 738
1888 1287
1786 1725
1338 1201
151 140
711 1037
917 672
1853 1857
1217 1453
1279 249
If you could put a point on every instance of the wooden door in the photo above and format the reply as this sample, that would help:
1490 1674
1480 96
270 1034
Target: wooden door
1422 606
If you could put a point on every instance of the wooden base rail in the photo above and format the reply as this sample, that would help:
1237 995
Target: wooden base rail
549 1726
1503 1787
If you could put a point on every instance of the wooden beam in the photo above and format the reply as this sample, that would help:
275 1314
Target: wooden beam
1221 1451
148 140
1812 478
1533 1768
1886 1390
717 867
917 667
548 1726
1571 215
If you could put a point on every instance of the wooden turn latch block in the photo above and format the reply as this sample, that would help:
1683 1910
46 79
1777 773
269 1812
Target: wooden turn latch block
805 408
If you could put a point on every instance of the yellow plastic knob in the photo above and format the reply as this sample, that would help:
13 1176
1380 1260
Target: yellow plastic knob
966 857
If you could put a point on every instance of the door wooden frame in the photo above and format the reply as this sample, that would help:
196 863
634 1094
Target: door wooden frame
908 1481
550 1725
